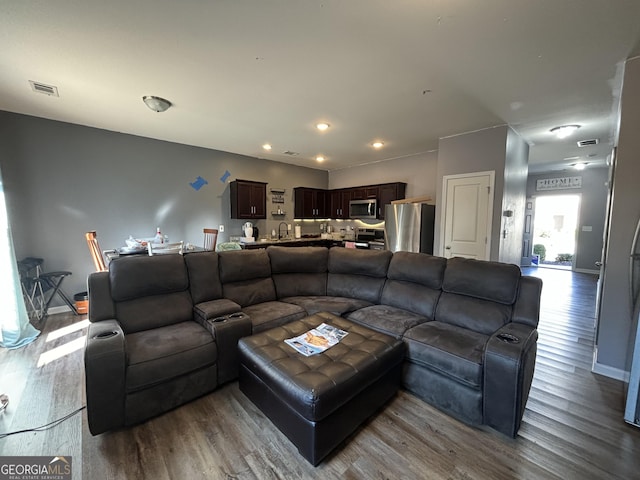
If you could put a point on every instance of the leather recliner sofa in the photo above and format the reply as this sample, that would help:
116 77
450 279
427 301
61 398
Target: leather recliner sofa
470 326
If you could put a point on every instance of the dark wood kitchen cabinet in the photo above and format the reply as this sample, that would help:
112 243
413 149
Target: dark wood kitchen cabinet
248 199
363 193
339 203
387 193
310 202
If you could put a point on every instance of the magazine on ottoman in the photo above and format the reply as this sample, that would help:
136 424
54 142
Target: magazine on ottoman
316 340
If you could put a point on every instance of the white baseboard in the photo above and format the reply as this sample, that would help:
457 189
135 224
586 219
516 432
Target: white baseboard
587 270
607 371
59 309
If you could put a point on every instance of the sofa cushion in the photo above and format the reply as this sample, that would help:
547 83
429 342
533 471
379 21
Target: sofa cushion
204 281
481 316
298 260
267 315
241 265
355 273
493 281
250 292
297 284
336 305
387 319
141 276
154 311
417 268
450 350
162 354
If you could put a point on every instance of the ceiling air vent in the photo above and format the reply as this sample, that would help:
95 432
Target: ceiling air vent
588 143
289 152
44 88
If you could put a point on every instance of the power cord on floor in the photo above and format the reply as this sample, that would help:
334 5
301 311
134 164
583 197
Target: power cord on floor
47 426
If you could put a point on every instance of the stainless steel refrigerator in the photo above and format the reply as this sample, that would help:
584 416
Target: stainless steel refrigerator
409 227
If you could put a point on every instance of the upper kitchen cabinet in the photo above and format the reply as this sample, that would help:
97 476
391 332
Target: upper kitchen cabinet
362 193
339 203
310 202
248 199
387 193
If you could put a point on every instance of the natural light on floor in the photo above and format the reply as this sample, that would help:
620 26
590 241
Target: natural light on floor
61 332
67 348
59 352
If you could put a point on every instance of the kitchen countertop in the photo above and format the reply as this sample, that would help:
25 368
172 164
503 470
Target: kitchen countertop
289 242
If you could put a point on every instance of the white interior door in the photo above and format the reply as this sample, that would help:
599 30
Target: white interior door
467 215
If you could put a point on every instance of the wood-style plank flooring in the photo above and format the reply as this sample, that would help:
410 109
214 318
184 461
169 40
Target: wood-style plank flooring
573 426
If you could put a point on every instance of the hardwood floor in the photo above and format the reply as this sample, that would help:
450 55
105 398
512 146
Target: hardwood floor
573 426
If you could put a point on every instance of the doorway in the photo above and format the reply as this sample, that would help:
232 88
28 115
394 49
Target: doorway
555 229
467 212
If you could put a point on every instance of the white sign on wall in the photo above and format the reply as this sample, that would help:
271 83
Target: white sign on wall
559 183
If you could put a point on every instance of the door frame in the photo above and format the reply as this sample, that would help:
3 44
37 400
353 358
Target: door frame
443 218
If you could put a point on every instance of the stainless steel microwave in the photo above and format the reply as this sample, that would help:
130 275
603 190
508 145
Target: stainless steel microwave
367 208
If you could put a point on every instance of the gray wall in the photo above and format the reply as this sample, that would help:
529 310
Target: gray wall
484 150
615 326
62 180
593 199
417 171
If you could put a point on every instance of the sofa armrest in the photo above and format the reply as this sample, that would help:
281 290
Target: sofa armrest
105 369
214 308
509 360
226 331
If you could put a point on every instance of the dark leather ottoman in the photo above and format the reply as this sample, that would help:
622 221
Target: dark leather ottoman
318 401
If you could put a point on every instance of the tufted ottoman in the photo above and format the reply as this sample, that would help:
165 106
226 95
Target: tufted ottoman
318 401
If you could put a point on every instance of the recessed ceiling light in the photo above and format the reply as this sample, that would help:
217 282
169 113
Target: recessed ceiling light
266 146
563 131
322 126
319 158
580 166
377 144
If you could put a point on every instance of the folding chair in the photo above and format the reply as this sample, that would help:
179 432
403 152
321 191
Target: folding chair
39 288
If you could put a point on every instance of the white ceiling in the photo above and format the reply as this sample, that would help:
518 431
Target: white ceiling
407 72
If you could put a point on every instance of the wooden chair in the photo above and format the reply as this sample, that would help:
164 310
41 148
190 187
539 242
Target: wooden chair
210 238
96 253
165 248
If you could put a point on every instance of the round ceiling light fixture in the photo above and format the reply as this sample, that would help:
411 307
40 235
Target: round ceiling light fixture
157 104
377 144
322 126
319 158
266 146
580 166
563 131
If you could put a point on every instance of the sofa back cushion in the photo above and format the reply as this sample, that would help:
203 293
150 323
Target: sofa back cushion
150 292
356 273
413 282
204 280
246 276
299 271
477 294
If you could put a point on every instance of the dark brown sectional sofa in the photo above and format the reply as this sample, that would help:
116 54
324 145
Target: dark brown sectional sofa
161 332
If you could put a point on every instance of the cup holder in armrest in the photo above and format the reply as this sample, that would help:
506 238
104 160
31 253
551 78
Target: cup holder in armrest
103 335
508 338
218 319
236 315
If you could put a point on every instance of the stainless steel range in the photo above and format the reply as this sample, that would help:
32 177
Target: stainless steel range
371 238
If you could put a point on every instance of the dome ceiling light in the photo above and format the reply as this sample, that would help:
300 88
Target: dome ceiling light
563 131
157 104
322 126
377 144
266 146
